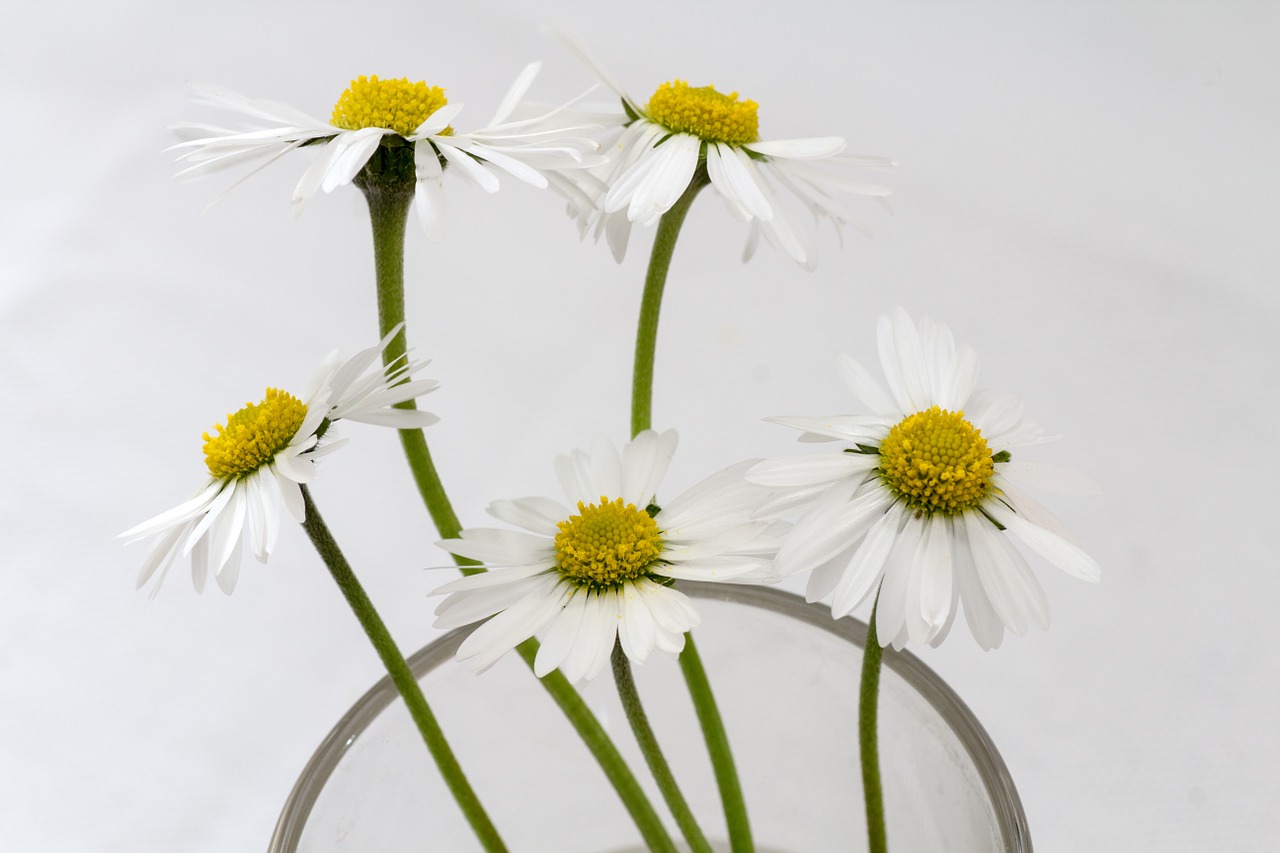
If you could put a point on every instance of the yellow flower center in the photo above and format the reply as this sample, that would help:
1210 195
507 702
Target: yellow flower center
705 113
607 543
937 461
394 104
253 435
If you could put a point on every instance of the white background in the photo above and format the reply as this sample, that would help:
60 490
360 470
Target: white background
1087 192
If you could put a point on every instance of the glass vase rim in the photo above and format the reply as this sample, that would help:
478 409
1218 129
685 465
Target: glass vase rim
991 768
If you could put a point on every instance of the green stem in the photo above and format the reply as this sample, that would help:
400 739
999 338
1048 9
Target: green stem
611 761
389 202
388 187
704 703
400 674
868 695
653 753
655 281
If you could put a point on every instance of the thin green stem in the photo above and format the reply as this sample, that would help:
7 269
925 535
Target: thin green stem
868 696
611 761
389 203
400 674
653 753
655 281
388 187
704 704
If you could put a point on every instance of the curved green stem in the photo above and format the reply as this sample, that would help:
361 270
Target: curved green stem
400 674
389 203
388 187
704 704
868 695
653 753
655 281
615 767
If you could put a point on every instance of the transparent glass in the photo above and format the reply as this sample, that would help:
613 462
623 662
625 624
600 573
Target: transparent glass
785 675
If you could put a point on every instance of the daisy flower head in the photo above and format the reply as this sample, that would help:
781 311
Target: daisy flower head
921 502
259 459
390 132
601 568
689 134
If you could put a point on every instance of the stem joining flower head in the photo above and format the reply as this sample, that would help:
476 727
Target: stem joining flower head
607 543
394 104
702 111
254 435
937 461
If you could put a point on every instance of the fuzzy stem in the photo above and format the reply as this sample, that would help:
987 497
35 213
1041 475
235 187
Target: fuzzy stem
388 186
653 753
400 674
868 696
704 704
655 280
664 244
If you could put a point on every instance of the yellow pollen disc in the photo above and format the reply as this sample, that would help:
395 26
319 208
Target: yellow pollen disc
607 543
394 104
705 113
253 435
937 462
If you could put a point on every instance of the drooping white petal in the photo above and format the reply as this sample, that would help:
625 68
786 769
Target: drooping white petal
799 149
866 565
1052 547
731 173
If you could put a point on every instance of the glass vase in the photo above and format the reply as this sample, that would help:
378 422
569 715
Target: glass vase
785 675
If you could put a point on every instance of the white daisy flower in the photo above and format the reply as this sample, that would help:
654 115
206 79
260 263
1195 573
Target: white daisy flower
604 571
259 460
684 129
918 502
374 114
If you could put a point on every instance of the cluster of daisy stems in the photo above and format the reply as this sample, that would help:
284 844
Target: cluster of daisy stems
910 512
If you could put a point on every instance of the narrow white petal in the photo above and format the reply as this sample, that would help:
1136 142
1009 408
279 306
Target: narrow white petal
435 123
636 630
864 386
495 547
737 180
535 514
230 571
983 622
799 149
606 471
469 167
1051 478
356 149
812 469
866 565
428 201
1052 547
644 463
562 634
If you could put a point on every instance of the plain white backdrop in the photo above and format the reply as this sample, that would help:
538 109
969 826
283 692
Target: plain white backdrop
1087 193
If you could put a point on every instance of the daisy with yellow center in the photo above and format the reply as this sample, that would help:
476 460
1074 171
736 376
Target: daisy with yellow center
920 503
375 113
686 128
601 569
258 459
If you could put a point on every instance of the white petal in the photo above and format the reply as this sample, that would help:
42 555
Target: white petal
864 386
866 566
470 167
428 201
496 547
644 463
1051 478
731 172
799 149
1052 547
435 123
562 634
811 469
538 515
636 630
